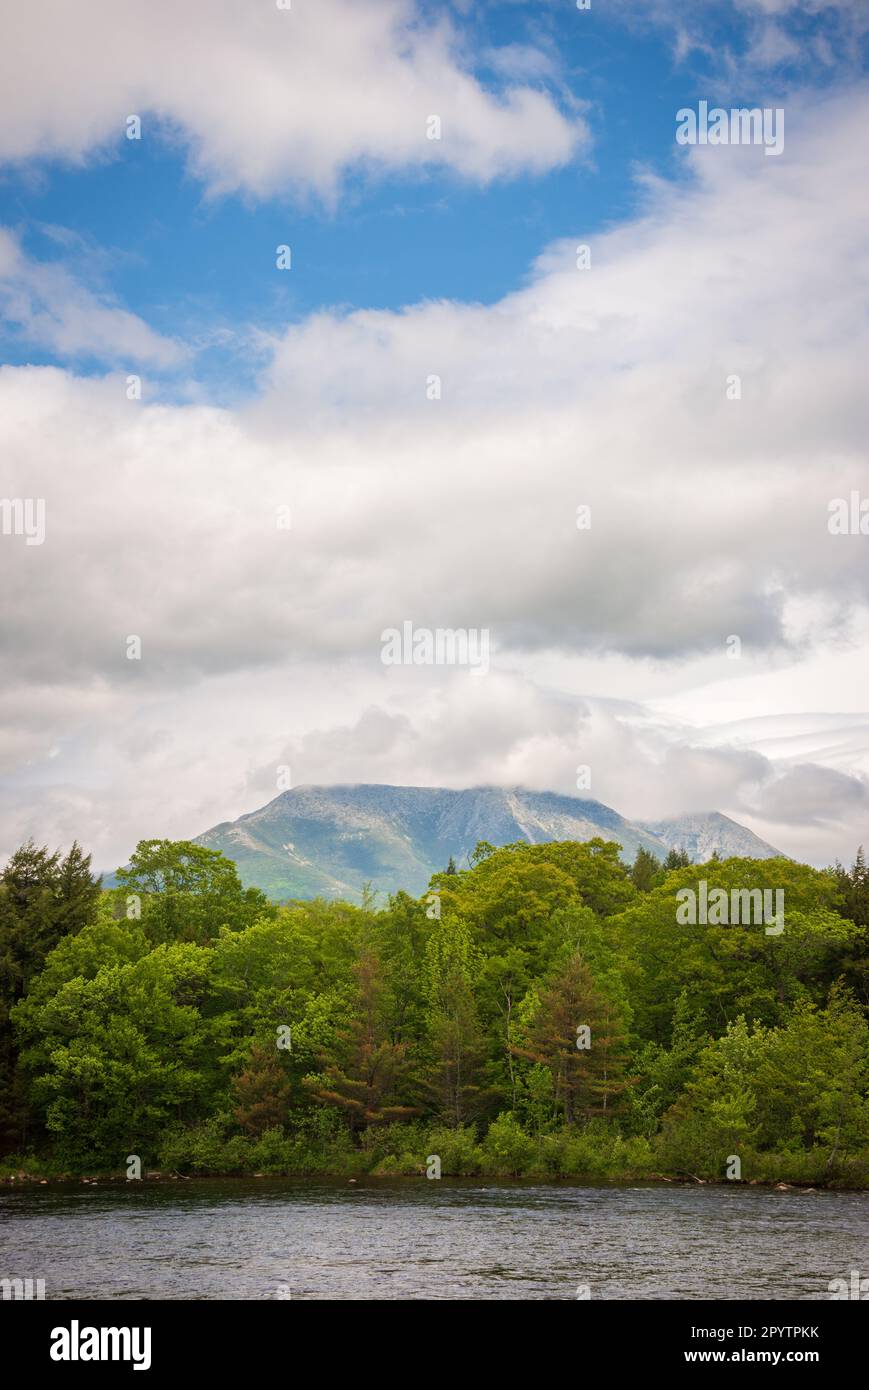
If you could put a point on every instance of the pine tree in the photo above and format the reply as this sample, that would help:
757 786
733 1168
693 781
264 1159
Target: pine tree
586 1079
261 1093
42 899
853 886
644 872
677 859
853 904
364 1075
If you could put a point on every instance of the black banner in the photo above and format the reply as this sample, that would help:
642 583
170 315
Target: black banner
69 1338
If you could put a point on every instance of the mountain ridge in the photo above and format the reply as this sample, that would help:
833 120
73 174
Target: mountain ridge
330 841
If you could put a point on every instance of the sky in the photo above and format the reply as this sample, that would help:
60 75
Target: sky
403 313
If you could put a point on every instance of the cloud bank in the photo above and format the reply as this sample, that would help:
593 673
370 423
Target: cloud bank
432 462
267 99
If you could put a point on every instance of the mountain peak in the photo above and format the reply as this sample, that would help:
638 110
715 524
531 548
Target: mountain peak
329 841
700 833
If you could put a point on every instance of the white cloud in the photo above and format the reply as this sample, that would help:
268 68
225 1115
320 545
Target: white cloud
44 305
769 34
128 763
812 7
605 387
268 99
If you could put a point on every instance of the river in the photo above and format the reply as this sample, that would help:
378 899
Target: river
407 1239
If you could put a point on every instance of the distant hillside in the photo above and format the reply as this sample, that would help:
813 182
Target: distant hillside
704 832
329 841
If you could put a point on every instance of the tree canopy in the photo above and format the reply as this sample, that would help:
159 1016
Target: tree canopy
543 1009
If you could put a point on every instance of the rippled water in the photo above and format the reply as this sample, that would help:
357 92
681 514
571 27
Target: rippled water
261 1239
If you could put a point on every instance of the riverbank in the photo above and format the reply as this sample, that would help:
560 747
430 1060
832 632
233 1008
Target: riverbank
580 1180
22 1178
597 1152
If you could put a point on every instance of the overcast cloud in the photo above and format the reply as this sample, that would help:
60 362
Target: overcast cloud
605 387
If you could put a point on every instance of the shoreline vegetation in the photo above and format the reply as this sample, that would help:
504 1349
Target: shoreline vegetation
547 1014
487 1174
22 1180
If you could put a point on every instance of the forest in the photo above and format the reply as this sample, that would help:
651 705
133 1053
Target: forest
541 1013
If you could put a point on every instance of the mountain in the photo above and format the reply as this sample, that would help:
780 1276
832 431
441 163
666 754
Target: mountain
706 831
330 841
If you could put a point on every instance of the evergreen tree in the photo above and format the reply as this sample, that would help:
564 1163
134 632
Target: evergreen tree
363 1078
645 871
853 904
586 1078
677 859
78 892
42 900
260 1093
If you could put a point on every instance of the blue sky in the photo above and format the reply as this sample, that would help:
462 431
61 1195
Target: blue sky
308 390
144 229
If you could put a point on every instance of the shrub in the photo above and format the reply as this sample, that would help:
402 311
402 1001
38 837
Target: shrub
457 1149
507 1149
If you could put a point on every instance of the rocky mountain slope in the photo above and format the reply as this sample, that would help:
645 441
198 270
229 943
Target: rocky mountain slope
329 841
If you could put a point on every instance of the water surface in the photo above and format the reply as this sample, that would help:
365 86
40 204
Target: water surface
408 1239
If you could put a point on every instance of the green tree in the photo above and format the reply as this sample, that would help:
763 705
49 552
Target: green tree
113 1058
186 892
43 898
504 982
730 969
853 904
677 859
362 1075
645 871
664 1071
799 1087
576 1033
456 1038
398 937
481 852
